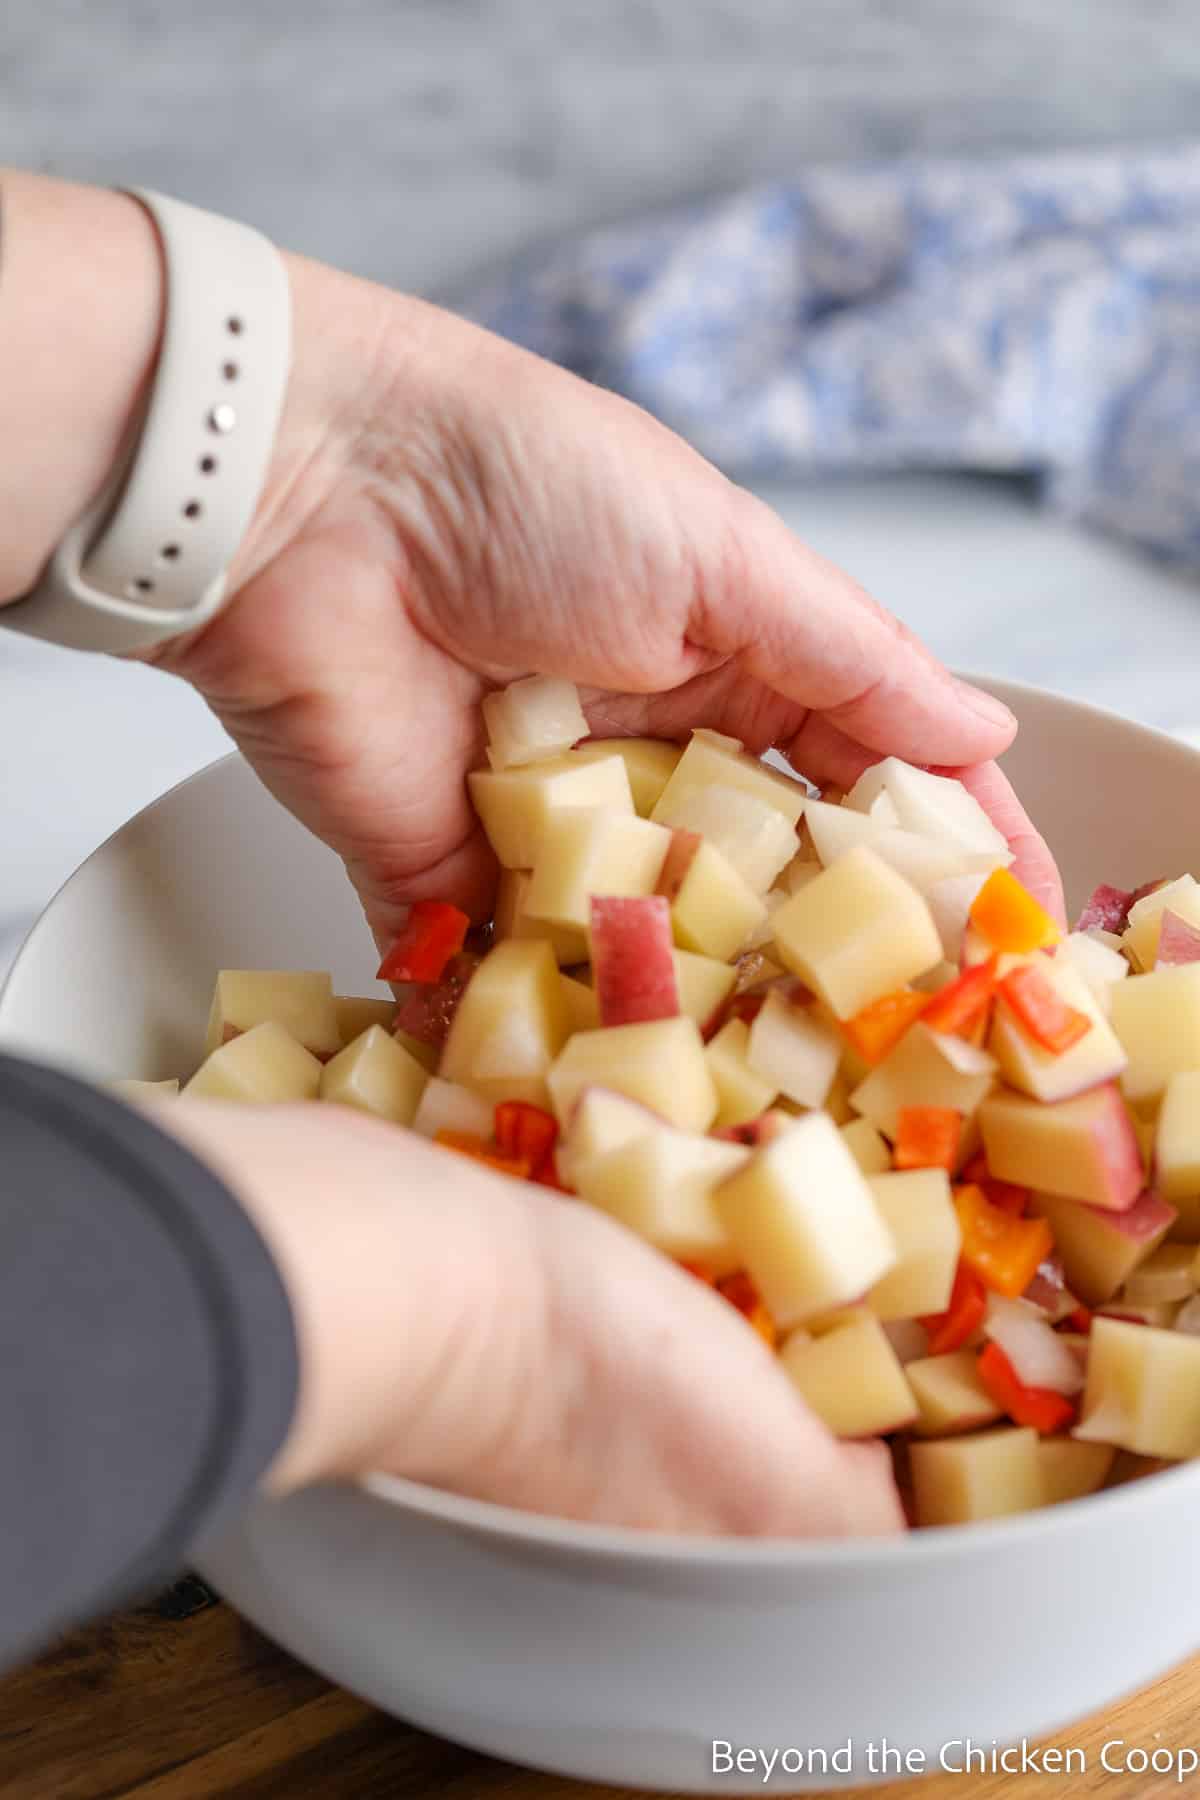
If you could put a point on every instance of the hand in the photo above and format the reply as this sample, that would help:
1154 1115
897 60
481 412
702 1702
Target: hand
482 1335
447 512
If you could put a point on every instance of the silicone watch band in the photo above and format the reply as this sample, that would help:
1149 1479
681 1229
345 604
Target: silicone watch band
150 559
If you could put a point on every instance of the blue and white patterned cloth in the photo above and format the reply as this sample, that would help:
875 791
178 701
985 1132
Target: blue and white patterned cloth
1038 315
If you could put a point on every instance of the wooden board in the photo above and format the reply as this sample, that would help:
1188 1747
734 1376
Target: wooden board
155 1707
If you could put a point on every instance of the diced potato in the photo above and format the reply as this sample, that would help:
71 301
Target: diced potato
869 1150
704 985
1100 1250
261 1066
510 1024
1143 1390
924 862
1098 964
795 1052
600 1121
448 1106
661 1064
532 721
649 764
857 932
1095 1057
515 805
376 1075
950 1395
984 1476
357 1014
806 1223
926 1068
1071 1469
299 1000
1084 1148
146 1090
742 1094
1167 1274
851 1378
837 1100
569 942
1140 937
933 805
713 911
917 1208
660 1185
1157 1018
712 760
583 1008
585 852
752 834
1160 1313
1177 1151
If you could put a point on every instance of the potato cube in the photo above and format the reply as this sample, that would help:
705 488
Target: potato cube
713 911
510 1024
299 1000
661 1064
585 852
806 1223
925 862
649 764
704 985
261 1066
600 1121
934 806
950 1395
1100 1250
800 871
515 805
857 932
987 1475
1157 1019
794 1051
533 720
376 1075
1141 934
869 1150
742 1094
583 1008
1084 1148
660 1185
1168 1274
918 1211
851 1378
146 1090
712 760
448 1106
1095 1057
1143 1390
569 942
357 1014
1071 1469
1177 1150
926 1068
749 832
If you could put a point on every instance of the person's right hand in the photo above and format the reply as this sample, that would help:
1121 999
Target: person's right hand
493 1338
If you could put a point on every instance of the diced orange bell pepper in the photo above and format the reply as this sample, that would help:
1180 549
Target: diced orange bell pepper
879 1027
1003 1251
927 1137
433 933
741 1292
963 1317
962 1003
479 1149
1009 917
524 1132
1042 1408
1042 1013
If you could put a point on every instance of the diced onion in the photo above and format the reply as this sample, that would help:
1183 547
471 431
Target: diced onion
1036 1353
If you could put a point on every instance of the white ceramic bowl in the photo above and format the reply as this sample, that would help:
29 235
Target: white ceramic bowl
609 1654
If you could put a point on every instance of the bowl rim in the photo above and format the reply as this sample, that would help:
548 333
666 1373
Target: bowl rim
626 1543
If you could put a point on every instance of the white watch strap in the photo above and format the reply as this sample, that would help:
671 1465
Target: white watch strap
150 558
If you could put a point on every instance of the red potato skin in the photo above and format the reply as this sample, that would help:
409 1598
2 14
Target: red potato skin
1117 1145
1178 942
677 862
1107 909
1149 1217
633 960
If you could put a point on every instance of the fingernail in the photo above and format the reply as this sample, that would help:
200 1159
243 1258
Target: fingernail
985 706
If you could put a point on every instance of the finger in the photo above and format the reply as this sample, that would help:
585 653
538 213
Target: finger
1034 864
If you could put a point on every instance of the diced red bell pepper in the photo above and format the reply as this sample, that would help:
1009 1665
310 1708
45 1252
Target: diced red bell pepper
1080 1320
525 1133
1005 1194
1106 910
1004 1252
927 1137
741 1292
1042 1014
1009 917
633 959
1042 1408
695 1270
466 1143
433 933
963 1317
428 1011
879 1027
958 1006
